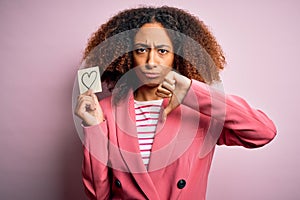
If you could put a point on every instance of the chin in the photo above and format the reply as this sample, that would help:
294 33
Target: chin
150 83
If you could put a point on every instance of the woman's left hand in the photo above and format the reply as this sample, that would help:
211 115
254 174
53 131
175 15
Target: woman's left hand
175 87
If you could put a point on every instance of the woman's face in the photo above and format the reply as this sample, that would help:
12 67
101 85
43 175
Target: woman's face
153 54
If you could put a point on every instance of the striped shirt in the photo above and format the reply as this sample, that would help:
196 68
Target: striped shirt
146 115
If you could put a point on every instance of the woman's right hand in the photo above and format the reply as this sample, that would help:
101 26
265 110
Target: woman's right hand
88 109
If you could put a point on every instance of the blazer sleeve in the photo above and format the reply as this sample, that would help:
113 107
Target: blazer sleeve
95 157
240 124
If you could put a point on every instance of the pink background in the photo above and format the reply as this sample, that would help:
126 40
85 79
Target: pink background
41 46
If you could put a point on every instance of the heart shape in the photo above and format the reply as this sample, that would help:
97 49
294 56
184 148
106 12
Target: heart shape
88 79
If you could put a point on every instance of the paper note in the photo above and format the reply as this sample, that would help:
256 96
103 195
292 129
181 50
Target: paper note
89 78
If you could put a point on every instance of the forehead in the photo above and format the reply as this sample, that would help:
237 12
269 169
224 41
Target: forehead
152 32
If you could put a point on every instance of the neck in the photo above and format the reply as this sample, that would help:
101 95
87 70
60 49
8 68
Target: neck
146 93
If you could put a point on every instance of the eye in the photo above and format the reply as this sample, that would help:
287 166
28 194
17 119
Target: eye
141 50
163 51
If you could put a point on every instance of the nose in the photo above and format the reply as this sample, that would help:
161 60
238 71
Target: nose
151 59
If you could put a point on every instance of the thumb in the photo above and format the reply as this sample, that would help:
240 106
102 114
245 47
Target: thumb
173 103
95 98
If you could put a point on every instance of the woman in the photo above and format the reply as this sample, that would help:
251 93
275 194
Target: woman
154 136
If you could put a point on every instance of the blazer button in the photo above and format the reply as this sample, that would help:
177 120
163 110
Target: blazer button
181 184
118 183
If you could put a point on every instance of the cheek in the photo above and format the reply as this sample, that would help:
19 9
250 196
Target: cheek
135 60
169 61
165 70
138 73
137 70
138 60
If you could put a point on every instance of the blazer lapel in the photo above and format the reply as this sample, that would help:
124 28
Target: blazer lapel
129 146
173 138
165 140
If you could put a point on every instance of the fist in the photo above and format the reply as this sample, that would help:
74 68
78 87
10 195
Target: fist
175 87
88 109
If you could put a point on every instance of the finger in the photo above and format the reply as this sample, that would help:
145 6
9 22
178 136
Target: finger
88 92
82 97
163 92
162 95
86 98
86 105
170 79
169 85
173 103
92 95
80 109
170 76
95 98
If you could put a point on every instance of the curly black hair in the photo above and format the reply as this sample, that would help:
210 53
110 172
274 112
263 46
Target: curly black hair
197 55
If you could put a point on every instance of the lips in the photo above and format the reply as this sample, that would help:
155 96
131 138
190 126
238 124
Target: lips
152 75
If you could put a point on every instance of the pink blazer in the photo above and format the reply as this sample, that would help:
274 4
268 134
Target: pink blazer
182 150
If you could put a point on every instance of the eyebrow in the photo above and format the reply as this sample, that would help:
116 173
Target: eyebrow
156 46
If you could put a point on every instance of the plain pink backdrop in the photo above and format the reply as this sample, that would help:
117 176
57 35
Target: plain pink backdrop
41 46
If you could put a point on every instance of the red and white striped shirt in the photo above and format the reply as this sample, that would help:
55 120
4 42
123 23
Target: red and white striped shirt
146 115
